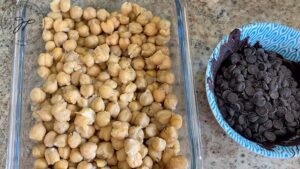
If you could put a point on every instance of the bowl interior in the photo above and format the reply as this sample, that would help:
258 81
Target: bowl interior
273 37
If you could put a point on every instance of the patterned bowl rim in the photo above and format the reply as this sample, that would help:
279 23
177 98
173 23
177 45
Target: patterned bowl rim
278 151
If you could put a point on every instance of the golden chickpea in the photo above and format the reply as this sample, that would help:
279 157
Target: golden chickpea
63 79
113 108
85 79
135 106
113 69
85 165
135 160
144 17
108 26
57 53
83 31
127 75
125 115
54 6
40 163
146 98
64 152
143 151
38 151
45 59
165 77
75 77
95 27
47 35
60 38
150 29
91 41
155 155
136 39
76 12
177 162
37 132
102 14
89 13
124 43
88 150
112 161
47 22
151 130
163 116
135 28
141 83
104 133
37 95
176 121
94 139
49 46
101 53
126 8
43 72
93 70
60 25
112 39
169 134
65 5
73 34
74 140
157 144
147 161
105 150
69 45
100 163
60 127
106 91
87 90
171 101
134 50
50 139
142 120
119 129
124 20
61 140
102 118
125 63
131 146
138 63
148 49
159 95
75 156
97 104
51 156
61 164
55 15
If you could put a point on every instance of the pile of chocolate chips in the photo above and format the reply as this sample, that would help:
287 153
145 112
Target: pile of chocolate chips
258 95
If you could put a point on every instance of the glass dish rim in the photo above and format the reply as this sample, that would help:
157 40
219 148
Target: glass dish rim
193 123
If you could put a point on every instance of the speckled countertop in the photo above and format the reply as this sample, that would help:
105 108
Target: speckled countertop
209 21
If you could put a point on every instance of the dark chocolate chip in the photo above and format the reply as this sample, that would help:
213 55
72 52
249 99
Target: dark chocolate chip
268 124
250 91
240 87
252 69
270 136
251 59
289 117
274 94
261 111
235 58
232 97
253 118
278 124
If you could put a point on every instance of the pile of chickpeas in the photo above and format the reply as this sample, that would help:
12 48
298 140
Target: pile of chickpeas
107 100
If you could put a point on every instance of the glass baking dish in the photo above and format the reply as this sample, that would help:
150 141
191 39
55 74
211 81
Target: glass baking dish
28 45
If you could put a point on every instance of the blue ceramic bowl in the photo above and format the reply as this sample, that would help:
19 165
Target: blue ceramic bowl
273 37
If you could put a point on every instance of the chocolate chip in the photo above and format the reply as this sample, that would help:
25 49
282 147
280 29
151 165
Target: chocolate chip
252 69
289 117
270 136
261 111
248 133
268 124
242 120
253 118
250 91
240 87
285 92
277 124
251 59
235 58
274 94
232 97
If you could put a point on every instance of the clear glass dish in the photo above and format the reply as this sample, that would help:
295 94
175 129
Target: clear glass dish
28 45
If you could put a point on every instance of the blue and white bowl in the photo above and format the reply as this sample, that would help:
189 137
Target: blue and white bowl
273 37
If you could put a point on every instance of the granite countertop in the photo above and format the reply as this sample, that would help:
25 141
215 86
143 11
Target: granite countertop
209 21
